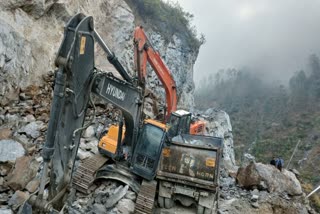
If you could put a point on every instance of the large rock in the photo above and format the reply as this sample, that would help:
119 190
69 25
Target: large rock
5 133
119 193
10 150
261 176
5 211
125 206
32 129
18 198
218 124
24 171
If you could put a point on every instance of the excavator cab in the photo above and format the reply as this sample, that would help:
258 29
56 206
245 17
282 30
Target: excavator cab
179 123
148 149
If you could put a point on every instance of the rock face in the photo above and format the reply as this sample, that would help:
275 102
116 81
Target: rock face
114 21
179 59
268 177
218 124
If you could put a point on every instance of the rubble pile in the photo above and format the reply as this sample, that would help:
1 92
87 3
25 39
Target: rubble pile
23 126
106 197
262 188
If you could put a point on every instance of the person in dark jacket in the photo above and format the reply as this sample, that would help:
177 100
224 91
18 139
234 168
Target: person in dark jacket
273 161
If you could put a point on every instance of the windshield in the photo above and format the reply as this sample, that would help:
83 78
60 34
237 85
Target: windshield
173 124
150 140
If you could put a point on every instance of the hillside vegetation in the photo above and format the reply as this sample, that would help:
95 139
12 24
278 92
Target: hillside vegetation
166 18
270 119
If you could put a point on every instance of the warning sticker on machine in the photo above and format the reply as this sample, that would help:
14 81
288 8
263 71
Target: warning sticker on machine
82 45
166 152
210 162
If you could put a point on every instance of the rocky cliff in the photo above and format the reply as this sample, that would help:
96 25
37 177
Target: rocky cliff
31 32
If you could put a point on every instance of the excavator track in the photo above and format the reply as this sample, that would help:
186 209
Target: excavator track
145 199
84 176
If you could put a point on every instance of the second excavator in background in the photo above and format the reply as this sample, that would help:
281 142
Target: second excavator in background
178 121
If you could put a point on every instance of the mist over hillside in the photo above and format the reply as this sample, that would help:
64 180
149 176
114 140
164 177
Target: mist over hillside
270 118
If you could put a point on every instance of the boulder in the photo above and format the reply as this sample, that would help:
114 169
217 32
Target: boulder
125 206
33 185
119 193
99 208
18 198
32 129
10 150
24 171
5 211
218 124
89 132
261 176
83 154
5 133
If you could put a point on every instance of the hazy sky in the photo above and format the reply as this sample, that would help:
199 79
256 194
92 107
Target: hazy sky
276 35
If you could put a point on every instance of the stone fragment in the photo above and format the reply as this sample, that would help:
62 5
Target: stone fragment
254 198
92 146
24 171
5 133
31 90
32 129
83 154
99 208
11 118
18 198
130 195
33 185
5 168
125 206
5 210
30 118
255 204
39 159
119 193
89 132
10 150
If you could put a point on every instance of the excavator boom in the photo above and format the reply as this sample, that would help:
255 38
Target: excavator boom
145 53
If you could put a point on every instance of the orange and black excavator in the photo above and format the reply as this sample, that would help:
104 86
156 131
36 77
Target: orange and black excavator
179 120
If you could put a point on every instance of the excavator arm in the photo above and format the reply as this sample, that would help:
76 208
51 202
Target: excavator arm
76 79
145 53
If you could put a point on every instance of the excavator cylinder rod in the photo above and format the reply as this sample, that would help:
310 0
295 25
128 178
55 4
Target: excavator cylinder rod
112 58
